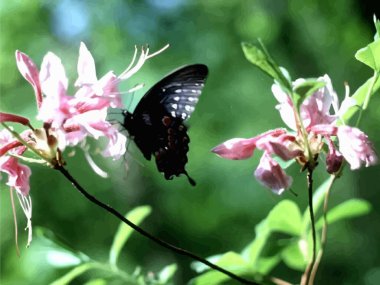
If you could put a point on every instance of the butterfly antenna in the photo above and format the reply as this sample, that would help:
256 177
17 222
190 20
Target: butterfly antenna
191 180
133 90
128 155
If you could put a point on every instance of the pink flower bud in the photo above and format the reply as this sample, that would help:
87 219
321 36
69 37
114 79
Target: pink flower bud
334 158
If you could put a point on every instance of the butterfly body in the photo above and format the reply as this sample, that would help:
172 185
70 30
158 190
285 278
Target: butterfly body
157 124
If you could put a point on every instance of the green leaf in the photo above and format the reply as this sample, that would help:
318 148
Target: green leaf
293 257
285 217
200 267
360 95
59 258
377 26
77 271
55 251
261 58
346 210
226 259
370 55
167 273
266 264
231 261
253 251
98 281
306 89
136 216
284 164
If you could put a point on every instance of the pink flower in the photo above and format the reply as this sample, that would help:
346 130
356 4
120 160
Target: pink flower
319 126
314 110
74 118
67 120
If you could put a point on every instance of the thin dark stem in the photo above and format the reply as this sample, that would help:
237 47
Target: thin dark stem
313 232
311 211
146 234
324 232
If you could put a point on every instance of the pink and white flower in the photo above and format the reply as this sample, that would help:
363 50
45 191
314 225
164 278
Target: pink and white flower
320 125
67 120
74 118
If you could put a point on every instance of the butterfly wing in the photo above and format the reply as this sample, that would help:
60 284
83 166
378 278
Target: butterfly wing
157 122
178 92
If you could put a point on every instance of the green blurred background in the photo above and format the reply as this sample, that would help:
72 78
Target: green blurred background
220 213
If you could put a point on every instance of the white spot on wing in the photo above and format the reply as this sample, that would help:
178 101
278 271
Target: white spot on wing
172 113
178 91
189 108
174 106
183 115
192 99
176 98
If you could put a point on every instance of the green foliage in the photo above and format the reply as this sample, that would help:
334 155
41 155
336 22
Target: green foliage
59 255
370 55
136 216
309 38
282 236
262 59
305 89
346 210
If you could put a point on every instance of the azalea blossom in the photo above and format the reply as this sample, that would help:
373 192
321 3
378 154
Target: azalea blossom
319 115
74 118
67 120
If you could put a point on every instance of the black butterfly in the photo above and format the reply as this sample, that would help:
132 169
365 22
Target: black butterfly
157 123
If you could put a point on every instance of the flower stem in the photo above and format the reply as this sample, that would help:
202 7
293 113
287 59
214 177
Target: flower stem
307 274
324 230
160 242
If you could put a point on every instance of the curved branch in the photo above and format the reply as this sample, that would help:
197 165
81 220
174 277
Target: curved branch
160 242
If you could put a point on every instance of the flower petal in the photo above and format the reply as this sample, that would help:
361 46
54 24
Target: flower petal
18 174
86 67
355 147
30 72
270 174
316 109
236 148
8 117
283 146
239 148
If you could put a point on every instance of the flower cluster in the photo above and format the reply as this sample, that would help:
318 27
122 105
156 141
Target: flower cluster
312 129
67 120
